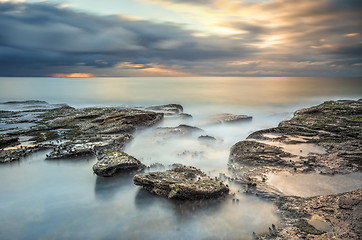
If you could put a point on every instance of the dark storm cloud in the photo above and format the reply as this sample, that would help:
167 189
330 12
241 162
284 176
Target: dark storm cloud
37 38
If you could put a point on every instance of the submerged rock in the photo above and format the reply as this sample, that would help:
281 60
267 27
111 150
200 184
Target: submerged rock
226 118
112 161
207 138
181 183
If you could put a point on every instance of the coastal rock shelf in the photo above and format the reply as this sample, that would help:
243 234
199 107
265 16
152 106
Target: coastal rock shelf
111 161
325 139
182 183
71 132
322 217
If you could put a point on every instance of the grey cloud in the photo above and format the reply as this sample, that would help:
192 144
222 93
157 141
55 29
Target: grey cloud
39 37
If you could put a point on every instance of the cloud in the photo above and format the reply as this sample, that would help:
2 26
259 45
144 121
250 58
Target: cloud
39 38
263 38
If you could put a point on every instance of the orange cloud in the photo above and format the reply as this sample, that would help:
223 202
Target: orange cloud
78 75
351 34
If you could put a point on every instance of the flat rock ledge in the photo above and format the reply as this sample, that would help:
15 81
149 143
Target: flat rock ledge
225 118
113 161
185 183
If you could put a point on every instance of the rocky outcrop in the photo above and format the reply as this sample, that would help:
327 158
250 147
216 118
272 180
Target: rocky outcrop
258 154
225 118
111 161
181 183
73 132
322 217
326 138
102 120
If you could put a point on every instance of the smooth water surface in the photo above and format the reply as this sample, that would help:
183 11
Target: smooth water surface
43 199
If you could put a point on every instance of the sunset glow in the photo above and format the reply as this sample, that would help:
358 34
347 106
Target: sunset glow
130 38
77 75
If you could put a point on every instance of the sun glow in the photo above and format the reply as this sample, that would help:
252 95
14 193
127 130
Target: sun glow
75 75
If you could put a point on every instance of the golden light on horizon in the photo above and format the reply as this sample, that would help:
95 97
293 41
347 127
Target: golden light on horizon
73 75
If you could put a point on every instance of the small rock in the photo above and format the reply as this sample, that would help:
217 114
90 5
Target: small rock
113 161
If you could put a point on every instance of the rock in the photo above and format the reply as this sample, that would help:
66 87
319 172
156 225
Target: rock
181 130
64 151
326 138
101 120
342 212
225 118
16 154
207 138
331 132
182 183
171 110
112 161
8 141
185 115
253 153
168 109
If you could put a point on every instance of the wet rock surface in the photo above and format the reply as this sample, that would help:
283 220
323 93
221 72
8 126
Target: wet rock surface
111 161
325 139
181 183
306 142
322 217
69 151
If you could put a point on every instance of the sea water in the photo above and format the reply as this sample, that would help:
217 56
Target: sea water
63 199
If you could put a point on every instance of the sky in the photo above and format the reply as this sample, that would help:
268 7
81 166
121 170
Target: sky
140 38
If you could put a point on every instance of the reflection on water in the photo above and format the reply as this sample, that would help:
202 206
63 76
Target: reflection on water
107 188
313 184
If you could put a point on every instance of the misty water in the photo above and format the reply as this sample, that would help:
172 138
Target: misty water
63 199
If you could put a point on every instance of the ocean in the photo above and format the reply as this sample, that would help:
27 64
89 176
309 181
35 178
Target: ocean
63 199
